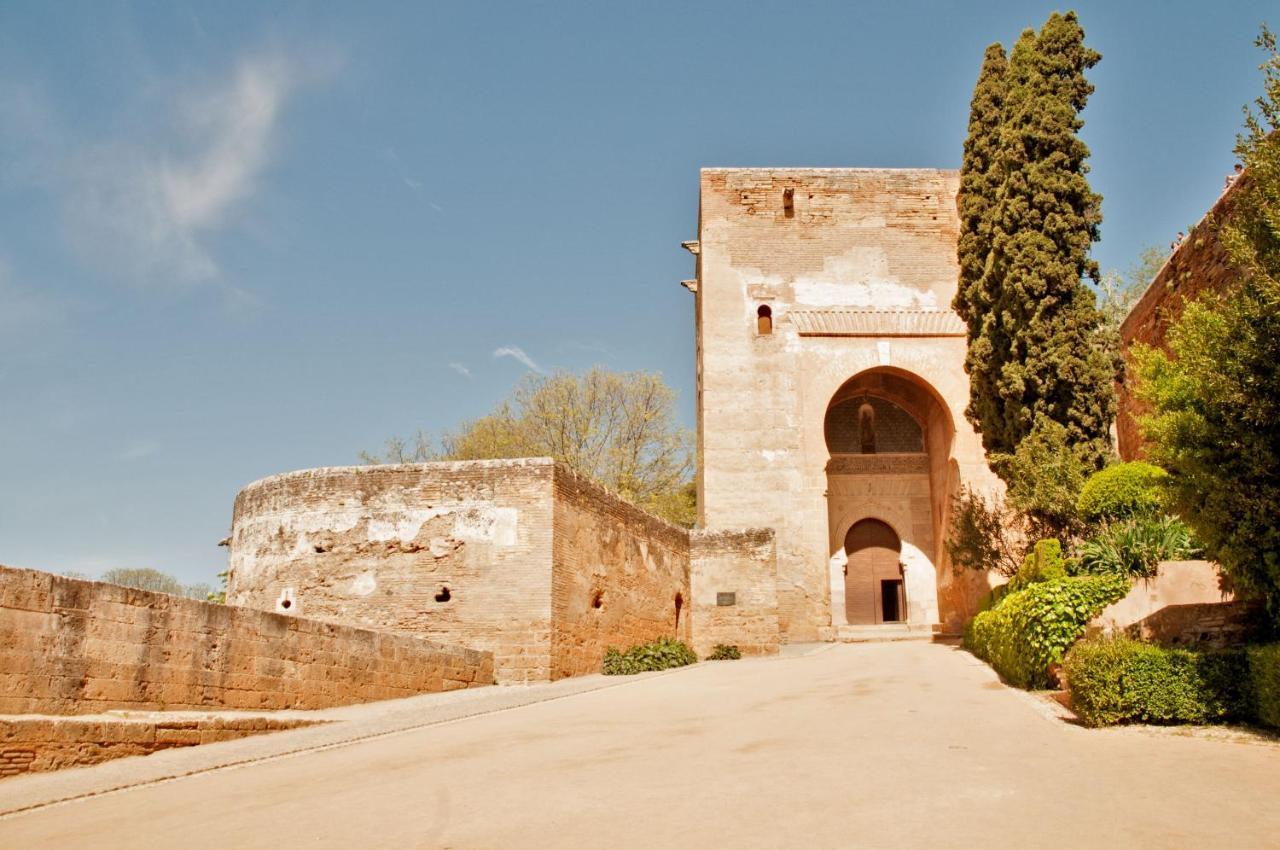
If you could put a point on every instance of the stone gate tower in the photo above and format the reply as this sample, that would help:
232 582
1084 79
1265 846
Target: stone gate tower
831 388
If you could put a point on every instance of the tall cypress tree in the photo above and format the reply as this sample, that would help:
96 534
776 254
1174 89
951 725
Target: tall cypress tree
1035 347
979 182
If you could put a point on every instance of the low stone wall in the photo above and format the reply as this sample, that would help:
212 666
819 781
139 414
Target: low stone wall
1183 605
69 646
619 576
735 591
35 744
508 556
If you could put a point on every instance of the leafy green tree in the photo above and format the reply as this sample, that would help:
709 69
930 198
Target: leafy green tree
1214 397
146 578
1121 289
1045 475
617 428
1036 345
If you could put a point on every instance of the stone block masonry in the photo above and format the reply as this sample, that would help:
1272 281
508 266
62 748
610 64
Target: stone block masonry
69 646
522 558
34 744
735 600
455 552
619 576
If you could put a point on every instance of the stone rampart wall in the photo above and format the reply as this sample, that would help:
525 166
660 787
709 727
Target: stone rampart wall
69 646
1200 264
735 599
523 548
619 576
456 552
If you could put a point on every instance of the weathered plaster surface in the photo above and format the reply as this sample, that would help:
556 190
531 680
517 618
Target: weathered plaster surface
541 567
856 239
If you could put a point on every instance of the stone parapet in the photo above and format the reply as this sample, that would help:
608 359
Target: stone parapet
69 646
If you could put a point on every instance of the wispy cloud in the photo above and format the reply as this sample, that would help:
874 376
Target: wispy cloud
139 451
146 203
461 370
517 353
148 207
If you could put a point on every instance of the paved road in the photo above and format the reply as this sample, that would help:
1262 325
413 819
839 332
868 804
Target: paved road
882 745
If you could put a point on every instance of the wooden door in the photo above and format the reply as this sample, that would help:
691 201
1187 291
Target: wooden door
874 552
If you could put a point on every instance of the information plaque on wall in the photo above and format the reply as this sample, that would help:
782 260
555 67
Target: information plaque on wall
726 599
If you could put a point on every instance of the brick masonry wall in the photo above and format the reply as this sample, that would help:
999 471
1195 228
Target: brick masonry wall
34 744
1200 264
634 565
377 546
69 646
742 563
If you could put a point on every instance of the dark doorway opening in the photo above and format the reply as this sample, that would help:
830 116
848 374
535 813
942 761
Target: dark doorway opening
891 601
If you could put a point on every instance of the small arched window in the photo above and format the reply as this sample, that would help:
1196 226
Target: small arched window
867 429
764 320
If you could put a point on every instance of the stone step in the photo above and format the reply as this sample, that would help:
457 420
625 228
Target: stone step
882 633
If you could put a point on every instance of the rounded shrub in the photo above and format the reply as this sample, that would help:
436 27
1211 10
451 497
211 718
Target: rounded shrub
1126 681
725 652
1031 629
1043 563
1122 490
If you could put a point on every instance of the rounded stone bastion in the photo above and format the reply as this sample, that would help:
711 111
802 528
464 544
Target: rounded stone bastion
522 558
457 552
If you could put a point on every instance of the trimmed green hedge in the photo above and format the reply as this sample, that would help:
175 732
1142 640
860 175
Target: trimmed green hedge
661 654
1043 563
1030 629
1264 674
1122 490
1126 681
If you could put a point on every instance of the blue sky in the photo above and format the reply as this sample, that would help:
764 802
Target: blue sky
239 239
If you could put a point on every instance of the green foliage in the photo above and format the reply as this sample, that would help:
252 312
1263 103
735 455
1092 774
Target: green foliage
1045 475
724 652
1215 397
616 428
1037 347
1264 676
219 596
1120 290
1136 546
1122 490
984 535
1118 681
661 654
155 581
1043 563
1030 629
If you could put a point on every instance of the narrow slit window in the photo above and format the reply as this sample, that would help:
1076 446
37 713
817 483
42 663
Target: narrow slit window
764 320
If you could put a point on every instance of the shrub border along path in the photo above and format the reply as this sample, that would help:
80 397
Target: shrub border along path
1129 681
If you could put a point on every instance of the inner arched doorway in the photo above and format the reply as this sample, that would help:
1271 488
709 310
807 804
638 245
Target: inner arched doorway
889 439
873 582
